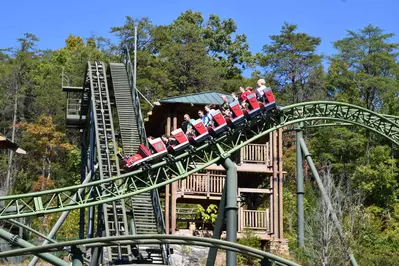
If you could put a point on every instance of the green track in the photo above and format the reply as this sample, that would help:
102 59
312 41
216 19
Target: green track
173 169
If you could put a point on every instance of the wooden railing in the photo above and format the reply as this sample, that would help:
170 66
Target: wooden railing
256 153
256 220
209 184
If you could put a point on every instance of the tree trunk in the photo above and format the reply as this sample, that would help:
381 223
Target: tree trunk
9 178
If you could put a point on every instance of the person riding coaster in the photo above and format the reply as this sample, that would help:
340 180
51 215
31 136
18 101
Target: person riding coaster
144 154
181 141
219 125
200 132
253 106
237 115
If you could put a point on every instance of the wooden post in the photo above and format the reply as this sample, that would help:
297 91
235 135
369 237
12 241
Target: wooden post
241 155
183 187
207 185
174 190
280 181
239 211
167 210
174 122
168 125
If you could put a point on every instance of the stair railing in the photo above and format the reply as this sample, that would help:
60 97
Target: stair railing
135 98
160 223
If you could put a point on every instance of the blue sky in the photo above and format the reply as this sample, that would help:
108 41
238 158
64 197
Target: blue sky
52 21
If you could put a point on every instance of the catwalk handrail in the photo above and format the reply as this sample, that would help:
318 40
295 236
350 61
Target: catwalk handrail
135 99
160 223
168 171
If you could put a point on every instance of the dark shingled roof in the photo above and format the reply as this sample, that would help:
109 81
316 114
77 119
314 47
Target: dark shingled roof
209 97
8 144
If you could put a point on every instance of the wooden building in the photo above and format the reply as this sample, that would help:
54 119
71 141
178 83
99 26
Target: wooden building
259 167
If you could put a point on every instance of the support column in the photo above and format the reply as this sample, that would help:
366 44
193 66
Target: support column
280 184
275 187
83 156
300 192
174 122
231 208
173 187
271 197
16 240
217 230
326 198
168 125
167 209
77 256
64 214
174 199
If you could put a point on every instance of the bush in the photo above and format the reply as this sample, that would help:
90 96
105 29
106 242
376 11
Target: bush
249 239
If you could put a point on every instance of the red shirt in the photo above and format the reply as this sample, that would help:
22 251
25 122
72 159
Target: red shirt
244 95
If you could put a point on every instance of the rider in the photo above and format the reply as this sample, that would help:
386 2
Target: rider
259 88
204 118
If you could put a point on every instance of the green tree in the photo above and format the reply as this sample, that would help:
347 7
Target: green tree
377 175
291 60
365 70
189 55
46 147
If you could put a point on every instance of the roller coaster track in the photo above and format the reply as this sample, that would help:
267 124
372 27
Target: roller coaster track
172 169
150 239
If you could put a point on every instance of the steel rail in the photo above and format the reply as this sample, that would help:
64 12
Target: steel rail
173 169
151 239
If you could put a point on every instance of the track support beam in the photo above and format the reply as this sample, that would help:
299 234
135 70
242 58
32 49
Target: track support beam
16 240
231 208
326 198
217 231
300 192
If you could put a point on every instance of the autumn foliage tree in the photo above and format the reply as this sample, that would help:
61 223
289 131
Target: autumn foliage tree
44 145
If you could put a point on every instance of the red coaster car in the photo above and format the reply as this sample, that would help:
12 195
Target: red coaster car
181 139
270 102
144 154
220 124
237 114
254 108
201 132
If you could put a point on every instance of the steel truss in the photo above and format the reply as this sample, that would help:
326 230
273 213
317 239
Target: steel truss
172 169
153 239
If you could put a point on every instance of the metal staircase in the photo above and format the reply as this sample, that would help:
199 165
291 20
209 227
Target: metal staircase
126 111
146 211
145 223
114 214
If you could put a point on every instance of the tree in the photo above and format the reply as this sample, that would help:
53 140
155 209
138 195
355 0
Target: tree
377 176
188 55
291 59
366 68
18 89
207 215
45 145
322 240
